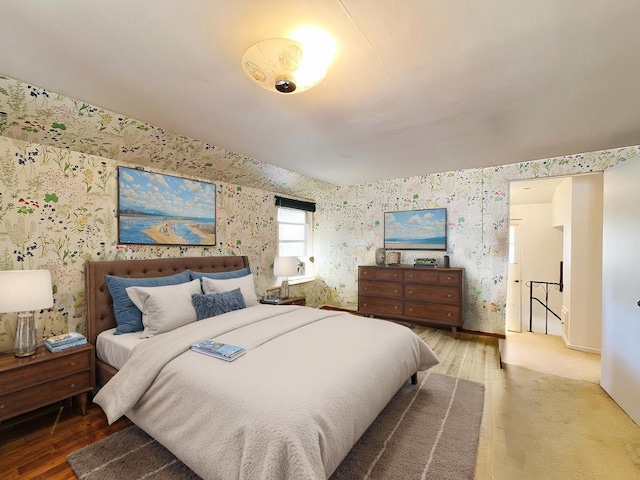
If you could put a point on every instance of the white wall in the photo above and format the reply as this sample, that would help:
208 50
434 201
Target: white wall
577 207
541 256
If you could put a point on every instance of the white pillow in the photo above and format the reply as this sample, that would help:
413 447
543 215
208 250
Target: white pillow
245 284
165 308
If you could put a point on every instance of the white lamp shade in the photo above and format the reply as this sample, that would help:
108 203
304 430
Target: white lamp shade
25 290
285 266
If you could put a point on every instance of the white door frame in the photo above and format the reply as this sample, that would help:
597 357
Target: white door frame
514 278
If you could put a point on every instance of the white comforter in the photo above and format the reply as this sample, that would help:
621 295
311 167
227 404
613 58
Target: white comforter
292 407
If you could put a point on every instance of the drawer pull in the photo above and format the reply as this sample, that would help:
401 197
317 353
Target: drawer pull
73 385
72 364
449 296
449 314
410 292
1 406
396 307
395 291
448 278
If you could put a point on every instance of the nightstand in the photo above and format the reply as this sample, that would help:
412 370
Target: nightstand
289 301
32 382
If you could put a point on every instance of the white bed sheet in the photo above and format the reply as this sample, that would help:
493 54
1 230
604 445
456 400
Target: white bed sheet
116 349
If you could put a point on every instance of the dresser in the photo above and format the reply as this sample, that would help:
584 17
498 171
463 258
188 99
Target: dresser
429 296
28 383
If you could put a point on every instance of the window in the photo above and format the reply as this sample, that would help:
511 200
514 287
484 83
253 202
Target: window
294 238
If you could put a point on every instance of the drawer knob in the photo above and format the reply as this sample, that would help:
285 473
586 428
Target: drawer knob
410 292
73 364
365 288
73 385
449 296
396 307
1 406
449 314
396 290
448 278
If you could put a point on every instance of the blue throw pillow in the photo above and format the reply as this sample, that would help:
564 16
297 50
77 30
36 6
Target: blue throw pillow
128 317
212 304
243 272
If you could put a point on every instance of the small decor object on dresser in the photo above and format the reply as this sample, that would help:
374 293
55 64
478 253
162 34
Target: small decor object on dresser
381 254
393 258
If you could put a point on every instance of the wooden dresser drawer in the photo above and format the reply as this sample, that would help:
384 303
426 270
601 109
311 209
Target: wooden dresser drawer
379 273
381 306
25 400
449 314
421 275
432 293
382 289
28 375
453 277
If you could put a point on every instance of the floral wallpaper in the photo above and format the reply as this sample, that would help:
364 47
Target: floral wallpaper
477 202
58 159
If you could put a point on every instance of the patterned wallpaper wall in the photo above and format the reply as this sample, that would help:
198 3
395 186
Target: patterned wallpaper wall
58 158
350 226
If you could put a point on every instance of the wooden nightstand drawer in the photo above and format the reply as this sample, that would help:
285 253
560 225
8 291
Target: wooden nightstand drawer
42 372
43 394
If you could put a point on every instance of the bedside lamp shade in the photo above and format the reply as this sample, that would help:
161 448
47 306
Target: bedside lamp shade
25 291
285 267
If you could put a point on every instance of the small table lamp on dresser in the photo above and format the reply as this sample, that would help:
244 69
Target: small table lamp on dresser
24 291
285 267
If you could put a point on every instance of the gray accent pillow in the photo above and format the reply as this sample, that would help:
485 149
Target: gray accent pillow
212 304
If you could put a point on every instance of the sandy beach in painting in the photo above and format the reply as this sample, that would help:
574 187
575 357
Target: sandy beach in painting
163 233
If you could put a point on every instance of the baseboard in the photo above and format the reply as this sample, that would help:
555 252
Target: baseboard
485 334
580 348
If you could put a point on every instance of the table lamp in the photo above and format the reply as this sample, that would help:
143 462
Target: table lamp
24 291
285 267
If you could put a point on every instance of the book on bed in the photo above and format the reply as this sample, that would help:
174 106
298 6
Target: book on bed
224 351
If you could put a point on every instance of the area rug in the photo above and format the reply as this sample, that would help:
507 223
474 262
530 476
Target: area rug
429 430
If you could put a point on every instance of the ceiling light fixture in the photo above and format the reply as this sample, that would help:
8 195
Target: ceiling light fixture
290 65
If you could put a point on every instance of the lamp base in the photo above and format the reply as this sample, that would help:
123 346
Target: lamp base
25 344
284 289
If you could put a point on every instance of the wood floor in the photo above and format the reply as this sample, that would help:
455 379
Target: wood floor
35 446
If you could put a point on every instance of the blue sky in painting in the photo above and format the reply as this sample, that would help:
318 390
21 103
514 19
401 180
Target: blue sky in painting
416 224
154 193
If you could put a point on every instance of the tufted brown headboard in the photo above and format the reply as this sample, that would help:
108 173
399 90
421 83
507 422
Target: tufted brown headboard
98 303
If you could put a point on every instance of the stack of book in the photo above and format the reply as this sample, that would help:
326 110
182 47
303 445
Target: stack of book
64 341
223 351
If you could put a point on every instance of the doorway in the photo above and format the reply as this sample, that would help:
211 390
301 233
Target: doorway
551 221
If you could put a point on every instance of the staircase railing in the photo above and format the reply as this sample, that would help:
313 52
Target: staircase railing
546 286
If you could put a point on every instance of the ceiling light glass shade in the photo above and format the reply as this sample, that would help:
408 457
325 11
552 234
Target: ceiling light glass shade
290 65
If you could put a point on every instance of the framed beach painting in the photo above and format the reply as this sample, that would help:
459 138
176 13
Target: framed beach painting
158 209
424 229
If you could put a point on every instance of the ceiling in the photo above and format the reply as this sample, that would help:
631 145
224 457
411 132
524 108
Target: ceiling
527 192
417 86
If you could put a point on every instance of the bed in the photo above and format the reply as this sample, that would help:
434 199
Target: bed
310 384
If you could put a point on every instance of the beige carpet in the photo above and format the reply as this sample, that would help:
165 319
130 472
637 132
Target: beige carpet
429 430
560 428
548 354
